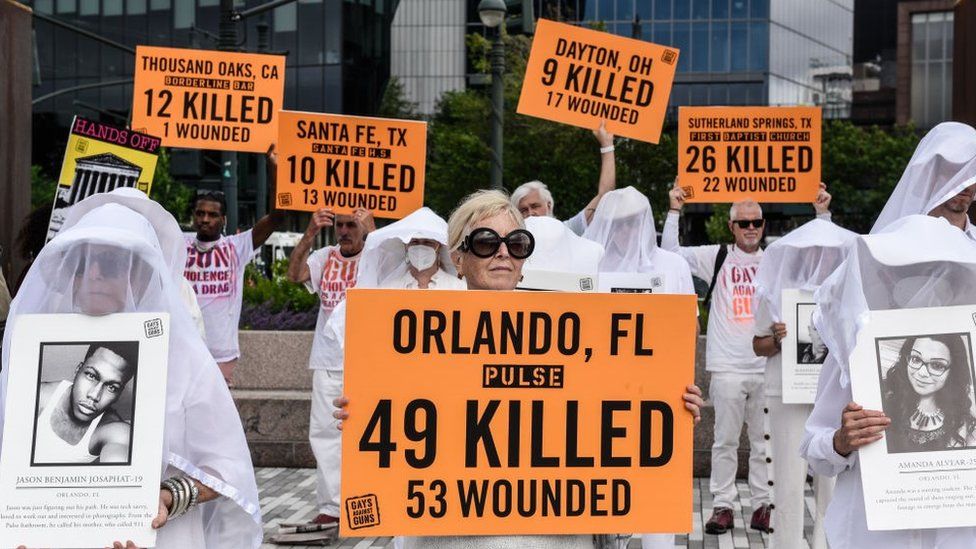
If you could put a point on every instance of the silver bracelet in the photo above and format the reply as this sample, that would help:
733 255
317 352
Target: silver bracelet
171 485
194 493
605 150
185 493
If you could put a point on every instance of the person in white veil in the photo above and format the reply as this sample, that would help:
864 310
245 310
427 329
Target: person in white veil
800 260
624 225
168 232
940 179
110 261
559 250
408 254
917 261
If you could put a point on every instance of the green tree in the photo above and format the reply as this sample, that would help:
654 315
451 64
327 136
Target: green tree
170 193
42 188
395 104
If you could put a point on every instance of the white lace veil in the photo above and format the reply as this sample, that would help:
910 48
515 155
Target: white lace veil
557 248
943 165
385 254
917 261
801 260
624 225
108 261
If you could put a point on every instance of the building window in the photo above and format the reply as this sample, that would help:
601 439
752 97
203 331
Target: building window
931 68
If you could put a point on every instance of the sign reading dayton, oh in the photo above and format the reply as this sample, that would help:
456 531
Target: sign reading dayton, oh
201 99
348 162
579 77
769 154
500 413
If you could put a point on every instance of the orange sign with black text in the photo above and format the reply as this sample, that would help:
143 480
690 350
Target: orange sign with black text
202 99
579 77
504 413
346 162
768 154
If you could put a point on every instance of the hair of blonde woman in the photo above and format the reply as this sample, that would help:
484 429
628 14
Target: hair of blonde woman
524 189
476 207
734 210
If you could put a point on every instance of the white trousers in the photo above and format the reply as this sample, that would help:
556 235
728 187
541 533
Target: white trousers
326 439
738 399
788 471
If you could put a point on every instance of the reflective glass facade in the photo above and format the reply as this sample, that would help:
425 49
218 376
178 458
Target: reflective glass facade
338 55
724 44
931 68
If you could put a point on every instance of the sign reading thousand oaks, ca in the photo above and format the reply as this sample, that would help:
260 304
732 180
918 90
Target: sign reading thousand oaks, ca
769 154
200 99
347 162
500 413
579 77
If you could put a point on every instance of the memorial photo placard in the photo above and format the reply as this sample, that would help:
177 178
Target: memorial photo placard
803 351
82 436
505 413
916 365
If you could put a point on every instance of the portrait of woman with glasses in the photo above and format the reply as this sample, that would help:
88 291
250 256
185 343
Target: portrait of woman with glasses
927 393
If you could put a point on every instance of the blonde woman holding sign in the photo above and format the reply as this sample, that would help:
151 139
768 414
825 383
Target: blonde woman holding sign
488 236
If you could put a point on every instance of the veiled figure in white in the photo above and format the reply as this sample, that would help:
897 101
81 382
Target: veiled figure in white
111 261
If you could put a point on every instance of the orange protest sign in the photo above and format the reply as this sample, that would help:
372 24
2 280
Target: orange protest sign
769 154
201 99
580 76
482 413
347 162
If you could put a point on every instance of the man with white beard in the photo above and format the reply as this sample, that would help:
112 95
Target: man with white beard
801 260
624 225
408 254
534 199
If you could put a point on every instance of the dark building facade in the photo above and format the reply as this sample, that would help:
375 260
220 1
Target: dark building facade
338 60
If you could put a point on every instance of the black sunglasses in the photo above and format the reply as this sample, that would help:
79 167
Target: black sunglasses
110 264
747 223
484 242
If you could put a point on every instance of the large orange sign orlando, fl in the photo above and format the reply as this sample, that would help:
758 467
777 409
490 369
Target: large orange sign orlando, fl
346 162
580 76
201 99
484 413
769 154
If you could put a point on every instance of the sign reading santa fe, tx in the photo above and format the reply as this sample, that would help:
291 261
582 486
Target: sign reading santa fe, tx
201 99
768 154
580 76
347 162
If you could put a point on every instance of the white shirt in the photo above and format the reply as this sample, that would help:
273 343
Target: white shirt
216 272
331 274
731 318
577 223
845 522
774 364
334 333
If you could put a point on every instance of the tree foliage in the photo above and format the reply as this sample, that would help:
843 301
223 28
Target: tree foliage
170 193
861 165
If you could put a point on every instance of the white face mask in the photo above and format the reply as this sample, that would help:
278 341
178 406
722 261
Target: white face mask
422 257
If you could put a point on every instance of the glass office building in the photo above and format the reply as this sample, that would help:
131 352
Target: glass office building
734 52
338 60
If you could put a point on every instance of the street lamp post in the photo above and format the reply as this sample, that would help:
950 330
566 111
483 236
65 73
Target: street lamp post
492 15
